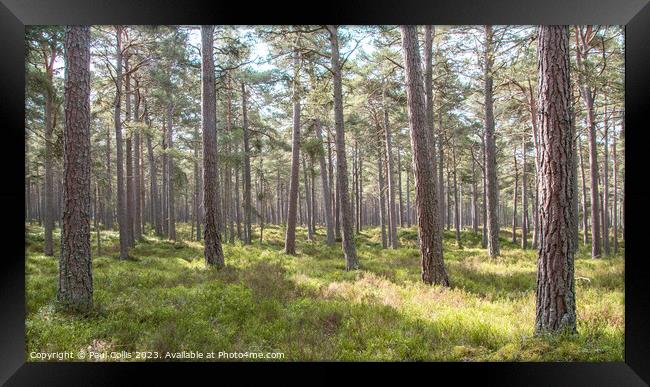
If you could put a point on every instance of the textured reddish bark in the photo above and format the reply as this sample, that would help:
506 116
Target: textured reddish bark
213 251
555 297
490 151
426 198
121 194
75 291
290 236
325 183
349 248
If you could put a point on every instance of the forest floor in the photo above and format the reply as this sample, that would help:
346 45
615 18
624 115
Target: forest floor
308 307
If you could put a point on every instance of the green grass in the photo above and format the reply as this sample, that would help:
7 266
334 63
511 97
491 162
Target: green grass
308 307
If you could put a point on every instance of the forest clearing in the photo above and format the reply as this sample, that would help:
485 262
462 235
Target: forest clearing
309 308
353 193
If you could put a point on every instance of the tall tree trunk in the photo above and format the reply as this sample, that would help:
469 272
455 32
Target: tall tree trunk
153 180
392 211
456 197
164 194
408 197
593 169
130 198
381 189
623 179
96 218
237 201
605 201
48 212
360 185
261 198
109 184
449 216
355 187
197 186
426 198
524 196
325 184
484 238
39 203
441 177
514 196
429 31
555 302
588 100
474 199
335 196
349 248
213 252
400 215
121 194
312 184
248 209
228 214
615 210
308 199
28 182
490 150
143 192
75 291
170 171
290 237
278 196
137 230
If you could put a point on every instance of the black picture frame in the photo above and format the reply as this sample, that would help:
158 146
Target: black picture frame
634 14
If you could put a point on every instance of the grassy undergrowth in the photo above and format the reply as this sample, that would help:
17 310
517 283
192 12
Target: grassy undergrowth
309 308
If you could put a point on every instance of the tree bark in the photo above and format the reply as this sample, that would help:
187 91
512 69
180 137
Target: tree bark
325 183
198 186
605 201
381 189
456 197
335 196
490 151
426 198
248 209
213 251
349 248
360 186
75 291
137 188
524 196
514 196
400 209
130 205
615 203
164 194
308 200
555 298
49 214
121 194
170 172
392 213
227 184
588 99
429 32
153 180
237 201
109 184
441 177
290 237
474 199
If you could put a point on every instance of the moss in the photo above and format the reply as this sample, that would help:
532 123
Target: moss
308 307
